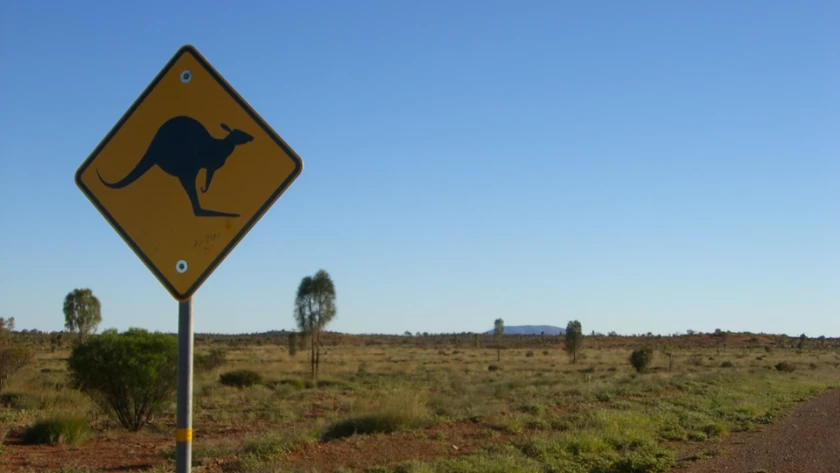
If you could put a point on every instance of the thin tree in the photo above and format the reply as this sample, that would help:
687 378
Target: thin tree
498 332
82 313
314 309
7 326
574 339
293 344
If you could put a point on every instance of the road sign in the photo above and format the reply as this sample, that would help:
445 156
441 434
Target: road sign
187 172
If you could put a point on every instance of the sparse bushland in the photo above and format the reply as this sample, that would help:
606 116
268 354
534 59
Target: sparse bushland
384 400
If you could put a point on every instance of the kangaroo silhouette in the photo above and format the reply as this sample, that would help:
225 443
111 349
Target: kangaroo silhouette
182 147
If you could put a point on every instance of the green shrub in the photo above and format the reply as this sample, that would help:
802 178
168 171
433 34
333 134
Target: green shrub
60 430
529 354
785 367
240 378
130 375
210 361
641 358
493 368
727 364
12 359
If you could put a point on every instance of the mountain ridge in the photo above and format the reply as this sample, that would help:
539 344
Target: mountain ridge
531 330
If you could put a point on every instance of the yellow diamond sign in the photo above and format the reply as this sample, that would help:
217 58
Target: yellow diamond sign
187 172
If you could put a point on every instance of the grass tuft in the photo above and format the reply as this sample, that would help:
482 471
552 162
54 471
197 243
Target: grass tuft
399 410
60 430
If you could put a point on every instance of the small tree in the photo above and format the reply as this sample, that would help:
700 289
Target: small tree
7 325
314 309
801 343
130 375
668 350
82 313
55 341
574 339
498 333
641 358
292 344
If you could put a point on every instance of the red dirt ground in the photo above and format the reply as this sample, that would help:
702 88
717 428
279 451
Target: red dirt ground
440 441
117 453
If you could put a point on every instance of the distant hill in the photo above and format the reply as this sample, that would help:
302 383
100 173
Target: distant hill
531 330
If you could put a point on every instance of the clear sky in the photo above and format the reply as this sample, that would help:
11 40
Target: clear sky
639 166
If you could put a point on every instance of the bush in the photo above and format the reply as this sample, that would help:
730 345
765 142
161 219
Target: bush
529 354
641 358
785 367
130 375
210 361
493 368
727 364
240 378
12 359
58 431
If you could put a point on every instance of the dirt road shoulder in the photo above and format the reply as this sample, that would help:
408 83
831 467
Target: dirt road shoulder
806 440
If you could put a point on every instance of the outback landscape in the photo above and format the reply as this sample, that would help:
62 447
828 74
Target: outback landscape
415 403
568 237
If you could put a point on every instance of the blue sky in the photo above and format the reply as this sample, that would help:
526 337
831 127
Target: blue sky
654 166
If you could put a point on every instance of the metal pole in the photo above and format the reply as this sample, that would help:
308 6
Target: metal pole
183 421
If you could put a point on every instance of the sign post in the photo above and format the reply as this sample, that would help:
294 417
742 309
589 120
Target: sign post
151 177
183 419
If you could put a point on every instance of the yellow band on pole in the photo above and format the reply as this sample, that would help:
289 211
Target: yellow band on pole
183 435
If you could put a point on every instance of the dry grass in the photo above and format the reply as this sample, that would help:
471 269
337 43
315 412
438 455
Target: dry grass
594 408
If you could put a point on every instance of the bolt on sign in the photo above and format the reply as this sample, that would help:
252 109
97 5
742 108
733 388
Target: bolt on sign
187 172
